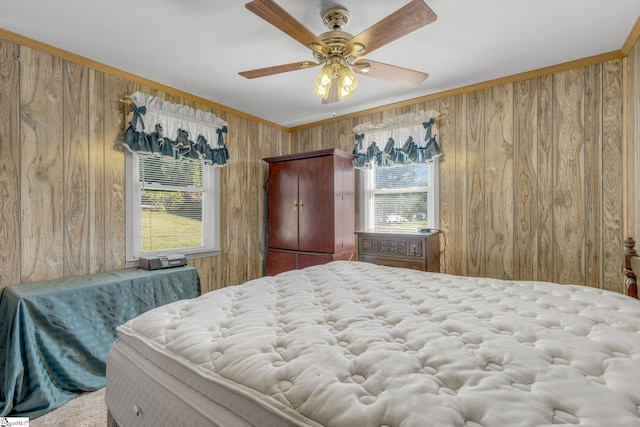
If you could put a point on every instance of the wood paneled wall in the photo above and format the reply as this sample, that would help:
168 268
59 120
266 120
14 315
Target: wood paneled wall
632 226
62 174
532 182
531 179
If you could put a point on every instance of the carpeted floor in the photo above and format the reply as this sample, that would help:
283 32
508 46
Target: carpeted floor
87 410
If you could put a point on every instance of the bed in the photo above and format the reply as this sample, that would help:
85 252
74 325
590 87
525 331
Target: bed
357 344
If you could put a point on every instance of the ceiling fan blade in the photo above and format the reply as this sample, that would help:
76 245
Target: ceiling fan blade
277 69
281 19
391 73
403 21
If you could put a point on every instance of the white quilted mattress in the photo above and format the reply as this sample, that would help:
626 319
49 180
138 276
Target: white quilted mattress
356 344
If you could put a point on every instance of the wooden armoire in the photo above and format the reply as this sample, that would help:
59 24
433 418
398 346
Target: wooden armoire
311 209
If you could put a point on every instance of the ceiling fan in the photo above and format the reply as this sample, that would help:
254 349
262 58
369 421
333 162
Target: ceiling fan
339 53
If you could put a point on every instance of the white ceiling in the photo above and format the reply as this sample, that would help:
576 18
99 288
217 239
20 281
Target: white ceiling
199 46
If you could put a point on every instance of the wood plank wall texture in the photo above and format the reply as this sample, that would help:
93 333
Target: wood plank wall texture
633 145
531 180
531 187
62 175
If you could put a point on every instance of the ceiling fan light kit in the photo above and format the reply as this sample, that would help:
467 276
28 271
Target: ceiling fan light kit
347 83
323 82
335 72
339 52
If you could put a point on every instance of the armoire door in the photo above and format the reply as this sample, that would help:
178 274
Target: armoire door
316 204
283 205
345 204
310 209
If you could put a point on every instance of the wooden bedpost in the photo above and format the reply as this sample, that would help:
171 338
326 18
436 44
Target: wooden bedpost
630 283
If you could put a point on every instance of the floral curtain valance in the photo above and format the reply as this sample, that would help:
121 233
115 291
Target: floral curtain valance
178 131
409 138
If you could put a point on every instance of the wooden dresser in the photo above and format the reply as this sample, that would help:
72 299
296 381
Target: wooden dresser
417 251
311 209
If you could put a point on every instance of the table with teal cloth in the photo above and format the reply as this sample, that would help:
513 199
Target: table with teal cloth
55 335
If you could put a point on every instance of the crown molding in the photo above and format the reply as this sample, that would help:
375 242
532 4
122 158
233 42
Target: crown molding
99 66
584 62
632 38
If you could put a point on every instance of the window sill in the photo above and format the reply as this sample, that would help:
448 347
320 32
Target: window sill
189 254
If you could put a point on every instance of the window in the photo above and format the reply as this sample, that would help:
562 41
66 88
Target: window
172 207
401 198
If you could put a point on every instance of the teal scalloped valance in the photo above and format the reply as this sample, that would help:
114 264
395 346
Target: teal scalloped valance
162 128
410 138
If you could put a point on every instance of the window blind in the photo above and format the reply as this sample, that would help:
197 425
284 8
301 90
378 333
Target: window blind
400 197
171 200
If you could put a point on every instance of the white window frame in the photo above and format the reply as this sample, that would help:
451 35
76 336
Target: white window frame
210 213
367 189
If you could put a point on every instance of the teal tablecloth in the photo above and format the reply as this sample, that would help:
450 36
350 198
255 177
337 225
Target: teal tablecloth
55 335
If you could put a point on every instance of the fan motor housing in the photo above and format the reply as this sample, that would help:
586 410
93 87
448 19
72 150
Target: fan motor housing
336 41
335 18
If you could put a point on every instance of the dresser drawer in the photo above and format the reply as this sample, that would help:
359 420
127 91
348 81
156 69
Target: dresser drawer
393 246
394 262
416 251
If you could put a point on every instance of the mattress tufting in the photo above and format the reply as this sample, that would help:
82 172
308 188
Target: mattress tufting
356 344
